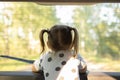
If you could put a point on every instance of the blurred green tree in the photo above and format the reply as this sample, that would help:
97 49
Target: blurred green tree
99 28
26 21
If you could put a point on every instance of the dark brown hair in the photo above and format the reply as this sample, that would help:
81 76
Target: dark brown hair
60 38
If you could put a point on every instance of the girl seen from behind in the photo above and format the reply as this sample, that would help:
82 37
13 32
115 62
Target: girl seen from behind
62 61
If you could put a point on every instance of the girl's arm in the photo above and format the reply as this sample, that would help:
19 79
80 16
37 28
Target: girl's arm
82 65
35 66
34 69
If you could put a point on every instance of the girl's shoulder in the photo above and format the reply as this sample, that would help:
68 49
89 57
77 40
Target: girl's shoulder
44 54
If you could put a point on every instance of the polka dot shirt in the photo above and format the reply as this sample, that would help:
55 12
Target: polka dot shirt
59 66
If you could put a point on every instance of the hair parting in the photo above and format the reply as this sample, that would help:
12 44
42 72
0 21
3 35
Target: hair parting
42 39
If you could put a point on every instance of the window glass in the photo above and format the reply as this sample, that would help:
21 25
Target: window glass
98 26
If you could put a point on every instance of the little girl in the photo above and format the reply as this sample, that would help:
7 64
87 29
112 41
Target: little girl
62 62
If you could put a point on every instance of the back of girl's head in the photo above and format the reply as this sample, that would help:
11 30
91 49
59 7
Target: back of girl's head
60 38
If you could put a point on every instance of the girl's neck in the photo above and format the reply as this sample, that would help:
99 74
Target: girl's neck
60 51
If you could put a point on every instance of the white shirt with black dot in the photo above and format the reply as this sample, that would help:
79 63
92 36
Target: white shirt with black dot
59 66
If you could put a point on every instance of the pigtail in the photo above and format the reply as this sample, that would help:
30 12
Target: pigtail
42 39
75 42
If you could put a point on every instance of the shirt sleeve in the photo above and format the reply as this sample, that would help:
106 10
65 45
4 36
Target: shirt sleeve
37 63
